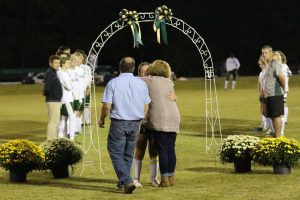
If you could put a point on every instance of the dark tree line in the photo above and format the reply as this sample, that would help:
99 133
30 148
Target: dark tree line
31 30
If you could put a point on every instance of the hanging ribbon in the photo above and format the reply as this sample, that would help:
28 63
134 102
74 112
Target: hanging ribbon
163 14
132 20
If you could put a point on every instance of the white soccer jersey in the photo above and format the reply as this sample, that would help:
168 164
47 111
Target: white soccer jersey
262 80
81 78
287 73
66 85
75 82
88 75
232 63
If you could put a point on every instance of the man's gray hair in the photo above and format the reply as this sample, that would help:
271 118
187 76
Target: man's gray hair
127 64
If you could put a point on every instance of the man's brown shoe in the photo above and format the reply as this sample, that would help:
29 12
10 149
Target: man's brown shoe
128 189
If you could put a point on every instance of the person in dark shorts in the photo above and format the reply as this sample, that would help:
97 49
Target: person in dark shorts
274 84
232 65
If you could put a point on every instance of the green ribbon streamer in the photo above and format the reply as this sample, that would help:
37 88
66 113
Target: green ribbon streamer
161 24
136 36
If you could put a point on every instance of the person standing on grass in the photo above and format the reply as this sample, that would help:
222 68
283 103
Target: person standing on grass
266 122
53 93
163 118
143 138
287 73
67 127
274 89
261 88
126 98
232 65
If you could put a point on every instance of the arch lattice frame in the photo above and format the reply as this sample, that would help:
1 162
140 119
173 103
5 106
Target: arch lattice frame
211 100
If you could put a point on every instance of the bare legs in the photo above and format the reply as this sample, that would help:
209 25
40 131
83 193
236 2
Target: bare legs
277 126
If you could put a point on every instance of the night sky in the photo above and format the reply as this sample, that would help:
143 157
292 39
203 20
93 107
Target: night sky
32 30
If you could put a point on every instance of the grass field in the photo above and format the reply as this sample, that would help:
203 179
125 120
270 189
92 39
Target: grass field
198 176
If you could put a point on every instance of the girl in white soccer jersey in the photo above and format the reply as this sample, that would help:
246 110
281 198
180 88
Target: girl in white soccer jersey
81 90
287 73
73 72
68 120
261 84
85 108
266 123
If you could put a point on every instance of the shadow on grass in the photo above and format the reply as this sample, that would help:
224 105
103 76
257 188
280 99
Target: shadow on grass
210 169
195 126
78 183
16 129
226 170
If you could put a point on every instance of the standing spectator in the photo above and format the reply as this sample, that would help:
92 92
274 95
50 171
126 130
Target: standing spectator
163 118
53 92
126 98
232 65
274 89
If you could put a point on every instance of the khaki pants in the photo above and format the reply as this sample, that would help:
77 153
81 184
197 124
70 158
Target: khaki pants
53 119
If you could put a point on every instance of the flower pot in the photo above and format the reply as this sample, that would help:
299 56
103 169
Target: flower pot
281 169
60 171
17 176
242 165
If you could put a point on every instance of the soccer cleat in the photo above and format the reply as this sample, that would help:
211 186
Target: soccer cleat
270 132
155 183
137 183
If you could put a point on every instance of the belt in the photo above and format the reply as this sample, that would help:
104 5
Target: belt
120 120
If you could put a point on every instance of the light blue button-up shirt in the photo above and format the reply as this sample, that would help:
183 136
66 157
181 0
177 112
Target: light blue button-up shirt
128 95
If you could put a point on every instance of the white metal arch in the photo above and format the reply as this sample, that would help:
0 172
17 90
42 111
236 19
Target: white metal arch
211 101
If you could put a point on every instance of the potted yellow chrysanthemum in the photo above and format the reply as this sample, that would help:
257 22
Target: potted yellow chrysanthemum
60 153
283 153
20 157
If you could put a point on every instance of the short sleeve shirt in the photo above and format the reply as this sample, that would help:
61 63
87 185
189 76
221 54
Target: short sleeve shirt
272 85
128 95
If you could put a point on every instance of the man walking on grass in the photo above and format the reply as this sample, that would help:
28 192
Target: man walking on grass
126 98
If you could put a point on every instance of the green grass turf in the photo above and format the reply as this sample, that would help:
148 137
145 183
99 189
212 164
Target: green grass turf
198 176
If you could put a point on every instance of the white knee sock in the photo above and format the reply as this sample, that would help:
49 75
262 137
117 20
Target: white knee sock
153 168
233 84
286 112
226 85
269 124
87 117
62 126
137 166
72 121
78 124
263 122
282 126
72 127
